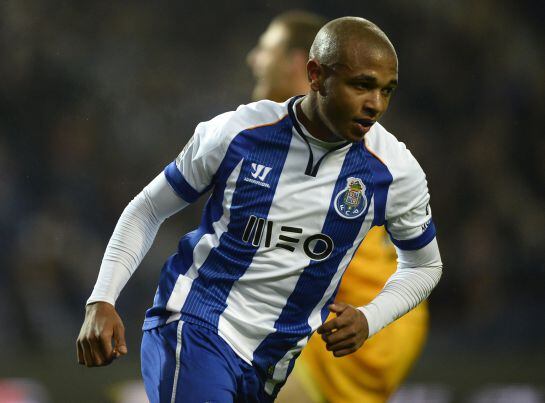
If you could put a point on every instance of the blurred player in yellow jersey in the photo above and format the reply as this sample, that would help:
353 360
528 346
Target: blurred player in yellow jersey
373 373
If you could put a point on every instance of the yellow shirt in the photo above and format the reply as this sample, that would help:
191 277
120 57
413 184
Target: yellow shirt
373 372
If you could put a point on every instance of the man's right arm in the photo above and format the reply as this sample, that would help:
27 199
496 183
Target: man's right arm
130 241
182 182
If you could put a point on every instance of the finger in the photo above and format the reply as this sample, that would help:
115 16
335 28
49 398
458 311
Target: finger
342 353
338 336
333 325
97 350
337 307
342 345
93 347
120 343
327 327
81 359
106 347
87 355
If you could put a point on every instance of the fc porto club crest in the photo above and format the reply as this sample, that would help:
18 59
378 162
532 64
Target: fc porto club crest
351 202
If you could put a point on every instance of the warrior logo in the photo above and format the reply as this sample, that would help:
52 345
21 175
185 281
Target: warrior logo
351 202
259 173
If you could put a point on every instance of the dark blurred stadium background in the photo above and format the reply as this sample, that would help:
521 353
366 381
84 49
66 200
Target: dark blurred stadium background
96 98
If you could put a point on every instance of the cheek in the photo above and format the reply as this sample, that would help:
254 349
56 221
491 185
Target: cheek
338 105
342 99
386 105
341 108
336 114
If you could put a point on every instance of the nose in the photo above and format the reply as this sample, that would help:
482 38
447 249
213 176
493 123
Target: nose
374 104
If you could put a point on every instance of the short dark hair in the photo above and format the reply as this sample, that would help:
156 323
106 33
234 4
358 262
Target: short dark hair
302 27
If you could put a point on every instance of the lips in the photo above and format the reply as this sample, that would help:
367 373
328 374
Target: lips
367 123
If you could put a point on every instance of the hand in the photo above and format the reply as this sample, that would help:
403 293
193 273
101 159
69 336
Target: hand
101 326
347 332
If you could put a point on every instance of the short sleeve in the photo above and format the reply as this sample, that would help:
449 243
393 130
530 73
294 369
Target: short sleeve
409 219
192 172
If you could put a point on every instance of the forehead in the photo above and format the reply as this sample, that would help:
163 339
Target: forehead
361 57
275 36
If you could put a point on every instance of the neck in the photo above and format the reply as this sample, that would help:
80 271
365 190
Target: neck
307 111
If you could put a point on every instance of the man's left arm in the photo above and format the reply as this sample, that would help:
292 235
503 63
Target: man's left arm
408 219
417 274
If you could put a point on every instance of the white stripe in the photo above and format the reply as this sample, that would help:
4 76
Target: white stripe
315 318
200 253
281 368
264 288
174 317
204 153
178 351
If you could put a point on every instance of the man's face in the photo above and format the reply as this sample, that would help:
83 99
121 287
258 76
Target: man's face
271 65
354 94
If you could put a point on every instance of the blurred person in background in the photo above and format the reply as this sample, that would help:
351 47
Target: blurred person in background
376 370
232 312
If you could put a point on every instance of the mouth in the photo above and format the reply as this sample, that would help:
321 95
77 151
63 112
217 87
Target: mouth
364 125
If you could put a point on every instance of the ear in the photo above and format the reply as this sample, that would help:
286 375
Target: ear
315 75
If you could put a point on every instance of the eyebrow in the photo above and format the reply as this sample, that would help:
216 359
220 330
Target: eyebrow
362 77
372 79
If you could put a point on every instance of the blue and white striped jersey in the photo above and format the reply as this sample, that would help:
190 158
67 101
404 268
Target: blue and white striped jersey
280 227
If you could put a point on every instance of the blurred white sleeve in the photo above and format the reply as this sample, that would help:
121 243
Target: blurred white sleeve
133 236
418 272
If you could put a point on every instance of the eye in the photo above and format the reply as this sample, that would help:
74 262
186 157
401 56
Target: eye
361 85
388 91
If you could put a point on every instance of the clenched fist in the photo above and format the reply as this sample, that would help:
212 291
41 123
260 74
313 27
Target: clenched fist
102 336
347 332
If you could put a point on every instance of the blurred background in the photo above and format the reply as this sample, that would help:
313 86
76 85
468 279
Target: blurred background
96 98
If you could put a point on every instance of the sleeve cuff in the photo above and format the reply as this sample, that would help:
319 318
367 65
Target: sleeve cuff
179 184
93 299
419 242
372 322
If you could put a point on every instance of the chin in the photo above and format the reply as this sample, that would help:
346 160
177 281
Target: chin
355 137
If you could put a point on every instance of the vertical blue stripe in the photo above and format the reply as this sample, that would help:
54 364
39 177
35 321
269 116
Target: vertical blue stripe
181 261
292 324
164 289
382 178
268 146
324 313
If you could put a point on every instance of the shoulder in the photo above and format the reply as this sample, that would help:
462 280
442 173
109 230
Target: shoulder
255 114
409 189
393 153
222 129
259 113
